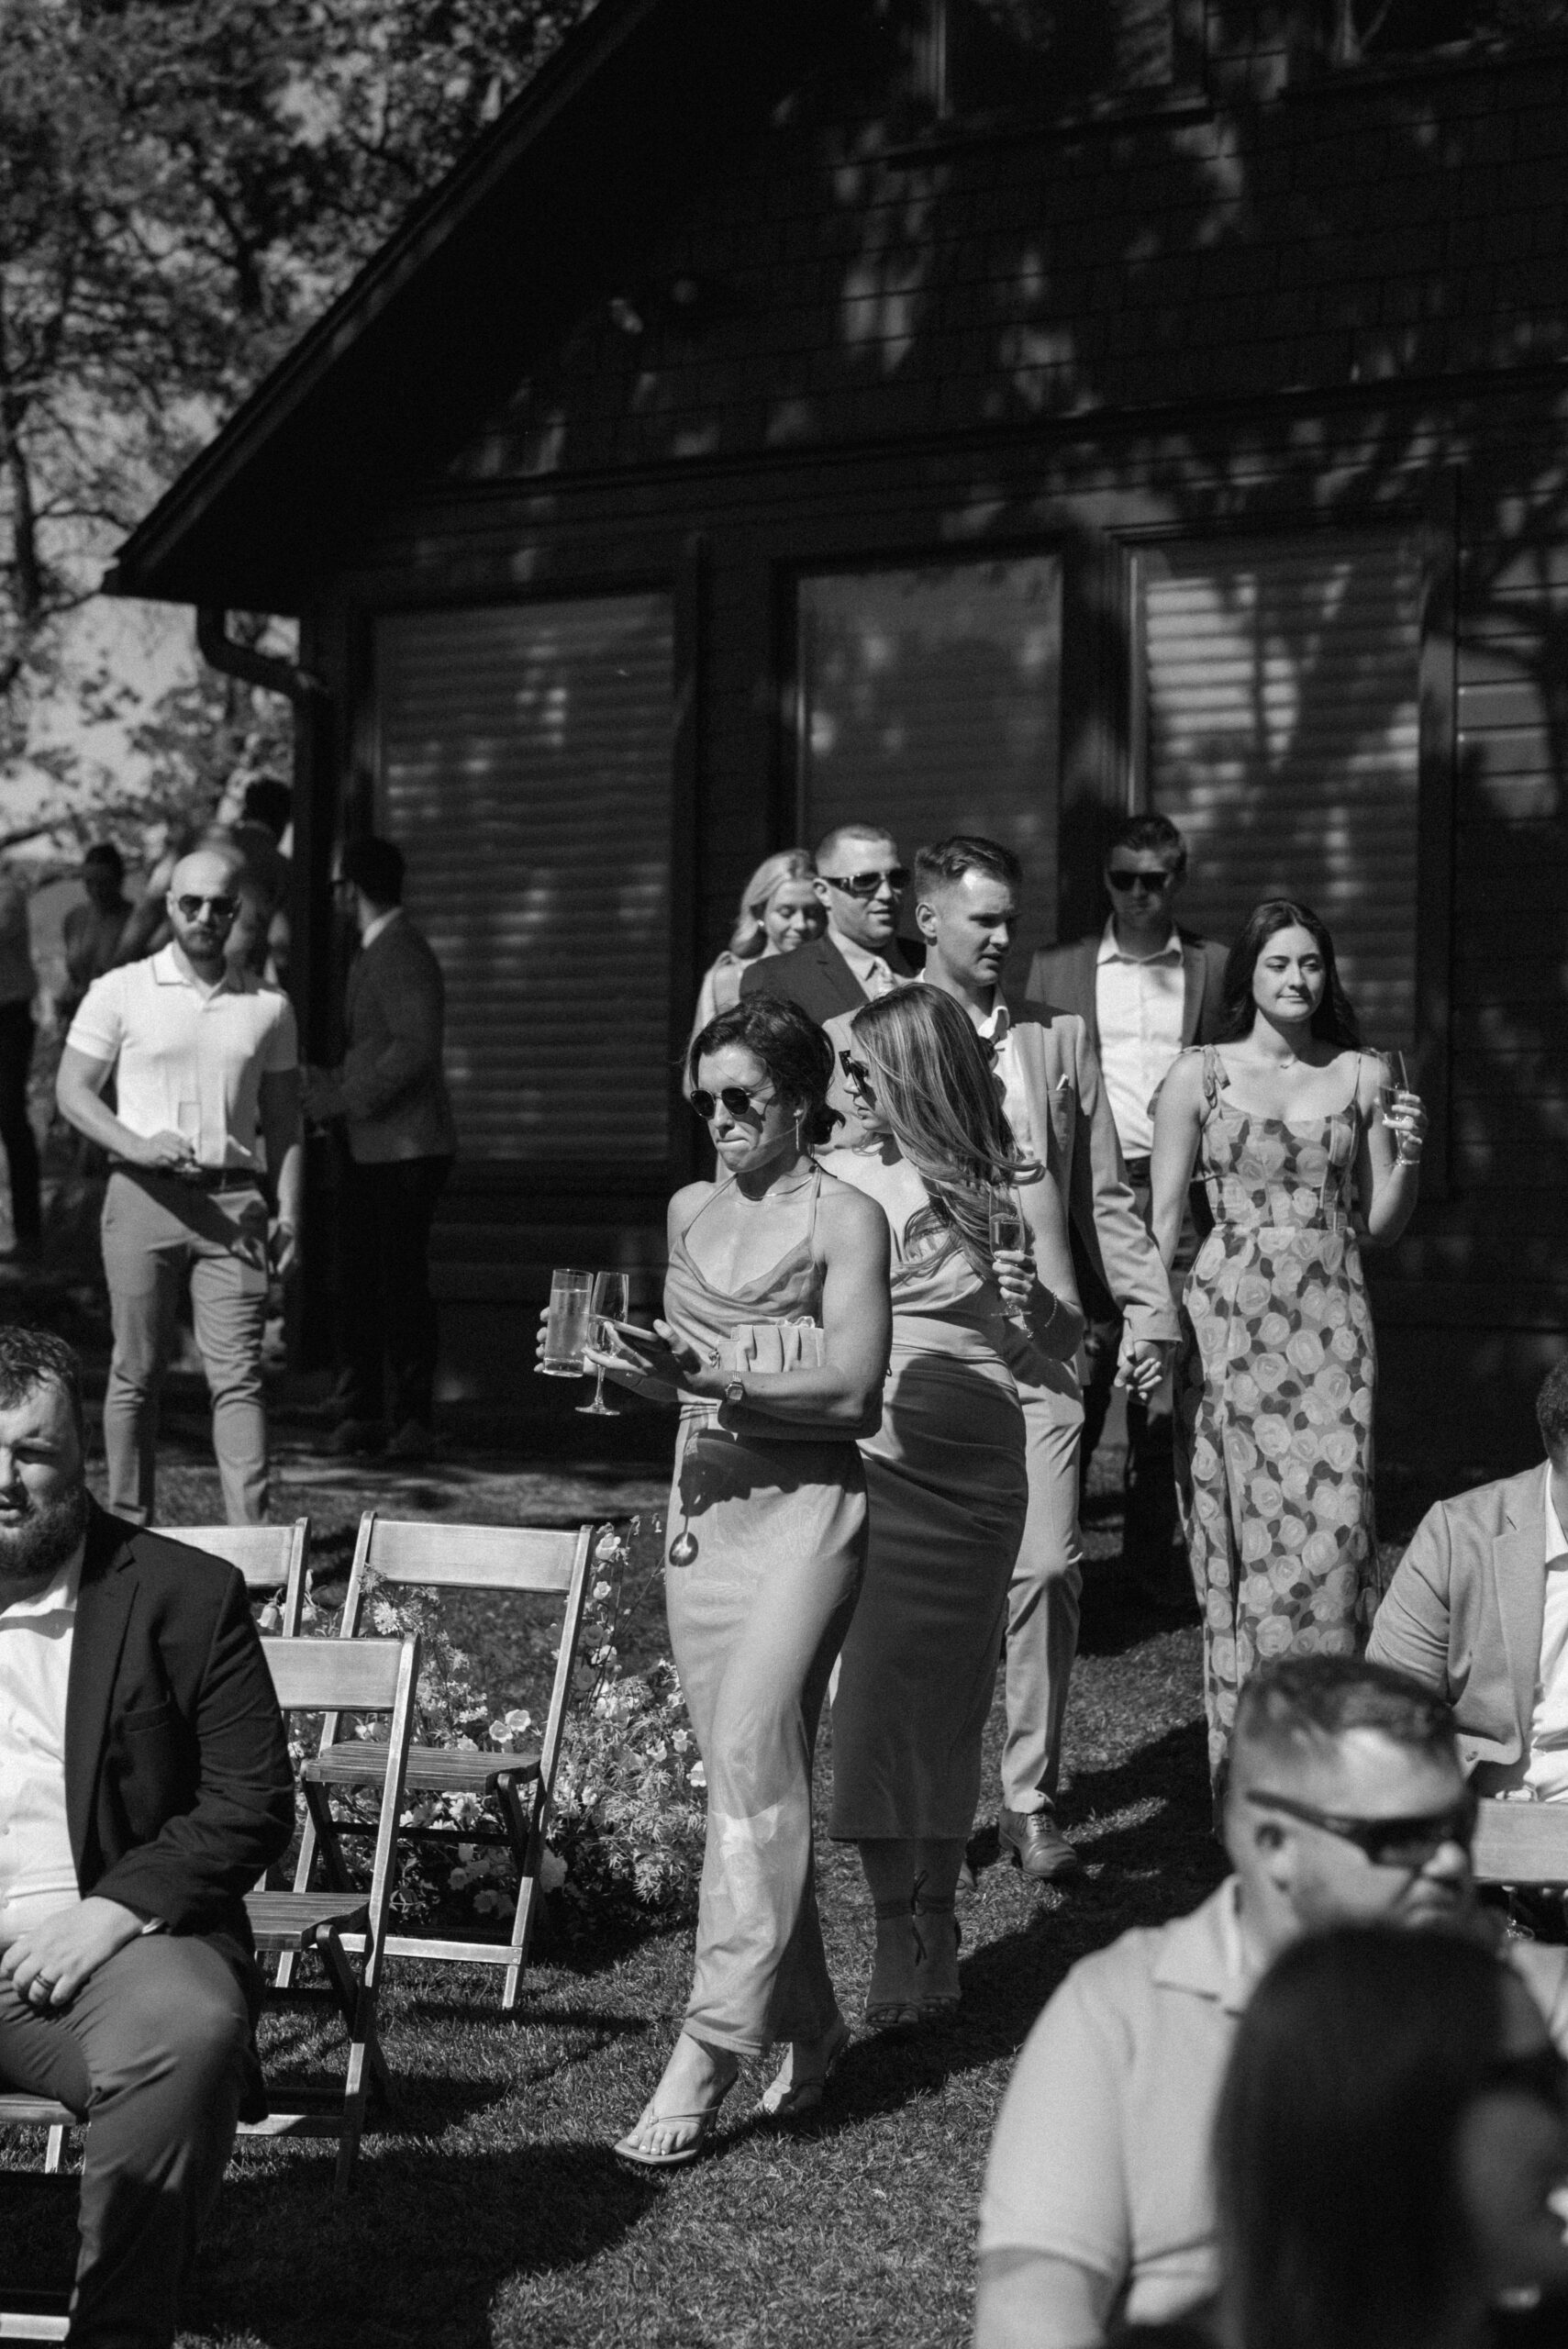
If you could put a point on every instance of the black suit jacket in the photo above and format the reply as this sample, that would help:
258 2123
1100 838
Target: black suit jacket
817 977
179 1790
1065 976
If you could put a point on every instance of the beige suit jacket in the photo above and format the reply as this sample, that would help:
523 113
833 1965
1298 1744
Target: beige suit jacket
1464 1612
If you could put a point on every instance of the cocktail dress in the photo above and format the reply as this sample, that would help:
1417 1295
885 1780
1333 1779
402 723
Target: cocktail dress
756 1621
946 1483
1275 1385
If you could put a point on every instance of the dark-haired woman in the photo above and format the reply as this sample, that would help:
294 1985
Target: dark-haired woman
1391 2140
944 1474
775 1347
1277 1374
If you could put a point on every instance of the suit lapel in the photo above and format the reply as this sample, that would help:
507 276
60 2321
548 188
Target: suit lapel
1193 976
1518 1567
1032 1042
1089 991
102 1611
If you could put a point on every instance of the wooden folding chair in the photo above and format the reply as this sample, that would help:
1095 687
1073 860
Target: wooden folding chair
272 1559
518 1559
334 1677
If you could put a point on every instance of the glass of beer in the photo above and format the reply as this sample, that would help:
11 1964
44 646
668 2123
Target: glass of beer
566 1325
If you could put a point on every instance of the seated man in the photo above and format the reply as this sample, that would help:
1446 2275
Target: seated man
1478 1612
1345 1801
144 1786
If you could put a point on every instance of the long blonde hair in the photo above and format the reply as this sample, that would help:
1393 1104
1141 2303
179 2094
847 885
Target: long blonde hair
935 1086
748 938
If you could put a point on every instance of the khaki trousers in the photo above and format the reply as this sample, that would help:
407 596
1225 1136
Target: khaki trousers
159 1234
1045 1594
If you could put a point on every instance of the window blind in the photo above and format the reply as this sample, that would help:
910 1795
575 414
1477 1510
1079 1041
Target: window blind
524 771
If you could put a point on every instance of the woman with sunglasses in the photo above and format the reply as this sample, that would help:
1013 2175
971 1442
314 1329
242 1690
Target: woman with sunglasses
944 1471
779 910
1391 2149
773 1348
1303 1153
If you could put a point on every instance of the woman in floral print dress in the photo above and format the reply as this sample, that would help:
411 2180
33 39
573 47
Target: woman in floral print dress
1278 1376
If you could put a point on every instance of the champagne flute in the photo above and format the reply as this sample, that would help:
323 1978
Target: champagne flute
1007 1229
612 1296
1393 1081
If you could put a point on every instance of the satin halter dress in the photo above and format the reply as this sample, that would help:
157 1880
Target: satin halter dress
948 1493
1276 1387
756 1621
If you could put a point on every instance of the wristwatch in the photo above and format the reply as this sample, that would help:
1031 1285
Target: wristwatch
735 1393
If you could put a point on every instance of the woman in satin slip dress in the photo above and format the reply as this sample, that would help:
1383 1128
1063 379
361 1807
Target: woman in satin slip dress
765 1541
1278 1375
945 1475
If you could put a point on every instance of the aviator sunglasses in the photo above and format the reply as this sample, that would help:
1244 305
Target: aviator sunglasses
1120 878
866 885
1408 1843
221 909
736 1099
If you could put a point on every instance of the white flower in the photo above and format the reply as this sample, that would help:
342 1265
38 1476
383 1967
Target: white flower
696 1775
552 1871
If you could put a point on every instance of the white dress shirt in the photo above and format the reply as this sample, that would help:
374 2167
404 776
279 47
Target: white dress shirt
189 1059
877 977
37 1874
1137 1009
1546 1771
373 929
996 1030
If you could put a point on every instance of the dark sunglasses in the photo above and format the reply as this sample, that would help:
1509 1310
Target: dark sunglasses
736 1099
1408 1843
221 909
1543 2075
866 885
1155 882
858 1072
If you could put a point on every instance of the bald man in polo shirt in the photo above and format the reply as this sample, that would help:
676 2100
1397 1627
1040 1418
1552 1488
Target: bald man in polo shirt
1097 2201
207 1071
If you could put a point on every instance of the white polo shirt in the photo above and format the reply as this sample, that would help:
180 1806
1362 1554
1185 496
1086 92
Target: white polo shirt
1138 1010
37 1874
178 1047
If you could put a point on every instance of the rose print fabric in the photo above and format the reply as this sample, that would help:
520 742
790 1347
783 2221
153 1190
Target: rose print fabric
1275 1391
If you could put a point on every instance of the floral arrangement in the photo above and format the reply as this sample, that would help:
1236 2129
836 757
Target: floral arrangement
628 1823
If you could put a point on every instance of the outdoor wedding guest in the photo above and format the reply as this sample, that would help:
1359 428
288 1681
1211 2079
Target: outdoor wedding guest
945 1474
860 885
779 910
18 985
766 1541
91 933
1391 2138
1345 1803
1302 1159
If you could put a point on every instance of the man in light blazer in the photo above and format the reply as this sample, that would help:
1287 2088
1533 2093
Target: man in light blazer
145 1785
391 1091
966 907
1144 989
1478 1610
861 883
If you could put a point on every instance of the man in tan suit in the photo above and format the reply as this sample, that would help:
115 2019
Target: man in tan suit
392 1093
1478 1610
966 908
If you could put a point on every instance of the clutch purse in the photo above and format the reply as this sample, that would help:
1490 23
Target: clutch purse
779 1345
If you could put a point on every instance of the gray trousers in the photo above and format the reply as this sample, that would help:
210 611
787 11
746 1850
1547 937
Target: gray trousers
152 2052
159 1234
1044 1595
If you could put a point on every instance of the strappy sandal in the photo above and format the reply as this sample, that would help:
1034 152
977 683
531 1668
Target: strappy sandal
784 2100
903 2014
702 2125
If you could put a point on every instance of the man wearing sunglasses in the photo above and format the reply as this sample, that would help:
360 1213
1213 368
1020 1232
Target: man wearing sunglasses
206 1126
1144 987
1346 1803
857 957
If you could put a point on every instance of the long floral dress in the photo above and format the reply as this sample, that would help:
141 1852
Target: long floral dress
1274 1392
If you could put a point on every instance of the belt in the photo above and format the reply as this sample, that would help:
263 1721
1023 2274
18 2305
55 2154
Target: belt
201 1178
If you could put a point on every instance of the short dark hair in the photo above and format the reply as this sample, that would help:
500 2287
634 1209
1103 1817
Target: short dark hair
1334 1021
32 1358
1302 1696
376 867
268 801
106 854
1149 834
792 1048
829 841
1552 1410
944 862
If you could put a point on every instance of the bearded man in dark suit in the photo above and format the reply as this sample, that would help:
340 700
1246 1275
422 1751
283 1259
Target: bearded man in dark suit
144 1786
857 957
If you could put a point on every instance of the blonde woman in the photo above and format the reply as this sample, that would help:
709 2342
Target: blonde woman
945 1477
780 909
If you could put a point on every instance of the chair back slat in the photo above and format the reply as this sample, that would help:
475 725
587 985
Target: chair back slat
472 1557
270 1557
334 1676
1521 1842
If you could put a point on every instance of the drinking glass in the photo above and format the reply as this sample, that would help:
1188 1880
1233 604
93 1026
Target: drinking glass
612 1296
566 1325
188 1123
1393 1081
1008 1230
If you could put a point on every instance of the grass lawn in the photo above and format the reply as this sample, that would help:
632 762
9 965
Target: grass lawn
492 2213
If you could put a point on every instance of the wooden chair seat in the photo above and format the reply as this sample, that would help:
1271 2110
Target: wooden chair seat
437 1770
1521 1842
297 1920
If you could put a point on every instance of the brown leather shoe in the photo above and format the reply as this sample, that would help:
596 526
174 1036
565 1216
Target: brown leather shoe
1038 1845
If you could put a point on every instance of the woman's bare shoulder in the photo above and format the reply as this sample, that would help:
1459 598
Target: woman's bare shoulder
1183 1083
847 1206
684 1203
